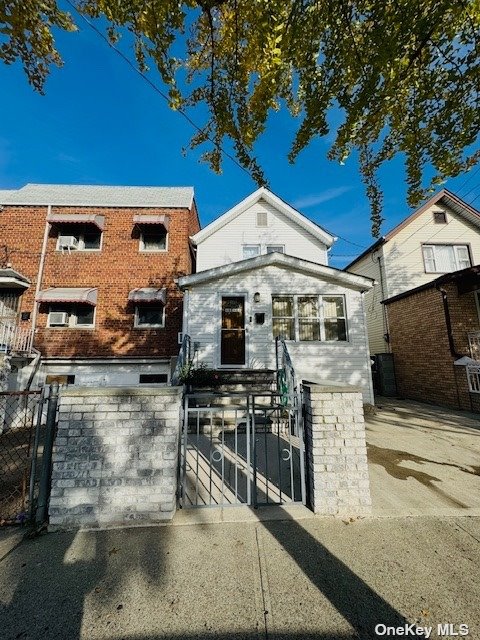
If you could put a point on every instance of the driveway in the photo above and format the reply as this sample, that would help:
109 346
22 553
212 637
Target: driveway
423 459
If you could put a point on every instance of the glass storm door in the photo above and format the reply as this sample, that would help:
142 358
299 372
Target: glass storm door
232 348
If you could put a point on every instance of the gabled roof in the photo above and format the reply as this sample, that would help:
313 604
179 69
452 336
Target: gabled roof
275 201
349 280
447 198
99 196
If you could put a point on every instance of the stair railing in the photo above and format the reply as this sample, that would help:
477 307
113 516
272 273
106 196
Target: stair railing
286 379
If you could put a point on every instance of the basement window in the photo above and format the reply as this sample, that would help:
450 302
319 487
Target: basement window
153 378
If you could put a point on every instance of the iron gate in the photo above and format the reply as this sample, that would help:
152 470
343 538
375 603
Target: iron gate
241 449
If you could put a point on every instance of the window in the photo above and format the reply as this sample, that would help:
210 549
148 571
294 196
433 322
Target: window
308 318
149 315
153 378
279 248
262 219
442 258
60 378
9 303
153 238
79 237
72 316
440 217
283 319
251 250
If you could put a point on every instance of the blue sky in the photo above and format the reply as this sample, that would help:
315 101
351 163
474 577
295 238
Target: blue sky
100 123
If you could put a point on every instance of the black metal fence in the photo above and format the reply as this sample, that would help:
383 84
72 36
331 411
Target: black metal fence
26 439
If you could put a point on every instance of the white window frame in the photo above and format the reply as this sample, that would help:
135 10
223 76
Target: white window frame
455 248
141 246
296 316
81 240
71 311
246 246
137 324
282 246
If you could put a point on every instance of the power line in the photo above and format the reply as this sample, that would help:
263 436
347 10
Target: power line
155 87
474 173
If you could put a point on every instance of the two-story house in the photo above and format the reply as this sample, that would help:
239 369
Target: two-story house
424 307
87 282
262 272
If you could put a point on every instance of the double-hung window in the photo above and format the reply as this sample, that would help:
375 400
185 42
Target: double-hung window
73 316
251 250
443 258
153 238
149 316
309 318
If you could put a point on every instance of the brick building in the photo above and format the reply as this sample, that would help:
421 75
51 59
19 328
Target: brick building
88 281
434 334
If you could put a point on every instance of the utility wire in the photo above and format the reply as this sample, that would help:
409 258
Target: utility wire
474 173
155 87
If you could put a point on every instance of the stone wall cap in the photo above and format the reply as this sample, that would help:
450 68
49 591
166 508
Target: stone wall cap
327 386
120 391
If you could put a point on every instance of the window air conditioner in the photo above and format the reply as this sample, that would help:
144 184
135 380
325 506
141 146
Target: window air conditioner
67 242
57 318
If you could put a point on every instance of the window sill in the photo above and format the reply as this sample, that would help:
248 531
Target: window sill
82 328
153 251
146 327
70 251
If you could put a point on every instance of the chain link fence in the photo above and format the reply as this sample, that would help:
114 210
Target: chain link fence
21 443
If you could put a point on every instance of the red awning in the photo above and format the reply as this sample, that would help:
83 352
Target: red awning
147 295
145 218
85 296
77 218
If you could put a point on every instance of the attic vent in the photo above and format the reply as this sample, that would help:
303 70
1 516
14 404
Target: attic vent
440 217
262 220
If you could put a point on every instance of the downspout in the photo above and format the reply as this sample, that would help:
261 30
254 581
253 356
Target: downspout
382 289
448 322
36 361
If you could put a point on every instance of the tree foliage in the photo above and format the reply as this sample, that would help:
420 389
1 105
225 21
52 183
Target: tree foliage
404 74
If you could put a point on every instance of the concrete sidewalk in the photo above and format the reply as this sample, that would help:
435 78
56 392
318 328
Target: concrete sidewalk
313 578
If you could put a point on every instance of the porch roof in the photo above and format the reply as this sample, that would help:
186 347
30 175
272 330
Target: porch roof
350 280
11 279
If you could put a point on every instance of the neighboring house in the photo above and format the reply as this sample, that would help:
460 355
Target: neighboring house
87 288
440 237
434 332
262 272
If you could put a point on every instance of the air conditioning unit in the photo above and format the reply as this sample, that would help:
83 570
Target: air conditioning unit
67 242
57 319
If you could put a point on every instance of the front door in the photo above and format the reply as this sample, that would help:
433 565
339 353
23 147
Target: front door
232 342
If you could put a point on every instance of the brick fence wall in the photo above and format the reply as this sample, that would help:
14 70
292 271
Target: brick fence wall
336 453
115 456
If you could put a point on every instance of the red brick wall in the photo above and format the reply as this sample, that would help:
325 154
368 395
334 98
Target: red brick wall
114 271
418 335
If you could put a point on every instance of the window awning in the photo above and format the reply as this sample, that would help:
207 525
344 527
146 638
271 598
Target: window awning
77 218
145 218
86 296
148 294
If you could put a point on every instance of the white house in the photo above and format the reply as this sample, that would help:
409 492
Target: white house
262 272
441 236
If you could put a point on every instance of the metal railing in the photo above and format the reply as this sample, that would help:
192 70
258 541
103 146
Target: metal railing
474 344
14 338
182 360
473 377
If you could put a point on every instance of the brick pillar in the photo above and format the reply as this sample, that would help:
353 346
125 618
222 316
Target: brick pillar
115 456
336 453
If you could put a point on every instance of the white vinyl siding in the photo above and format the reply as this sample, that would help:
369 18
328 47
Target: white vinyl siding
374 310
337 361
404 253
226 244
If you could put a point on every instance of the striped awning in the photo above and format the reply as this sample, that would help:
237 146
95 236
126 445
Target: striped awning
77 218
145 218
86 296
148 294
